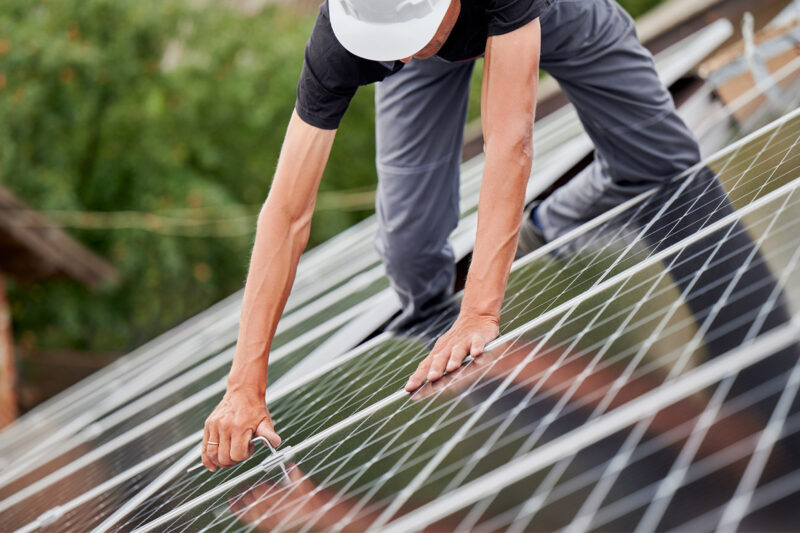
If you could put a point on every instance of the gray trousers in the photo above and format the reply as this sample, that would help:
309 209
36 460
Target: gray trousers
590 47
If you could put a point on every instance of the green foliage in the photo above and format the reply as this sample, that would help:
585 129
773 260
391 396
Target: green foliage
152 106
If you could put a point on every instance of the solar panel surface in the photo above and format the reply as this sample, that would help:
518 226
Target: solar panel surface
631 320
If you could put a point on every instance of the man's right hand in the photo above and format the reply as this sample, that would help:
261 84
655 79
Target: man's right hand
238 418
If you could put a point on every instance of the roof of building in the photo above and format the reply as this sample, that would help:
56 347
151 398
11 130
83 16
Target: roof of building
33 247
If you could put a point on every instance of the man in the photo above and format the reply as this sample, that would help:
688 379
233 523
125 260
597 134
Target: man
422 52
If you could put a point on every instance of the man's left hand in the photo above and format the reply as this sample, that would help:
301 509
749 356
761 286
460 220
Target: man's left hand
468 336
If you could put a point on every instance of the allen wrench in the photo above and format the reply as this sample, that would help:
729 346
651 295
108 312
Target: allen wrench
275 458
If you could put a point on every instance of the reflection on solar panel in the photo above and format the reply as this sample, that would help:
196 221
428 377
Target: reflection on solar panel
646 379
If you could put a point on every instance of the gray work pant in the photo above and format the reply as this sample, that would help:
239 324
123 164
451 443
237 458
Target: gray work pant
590 47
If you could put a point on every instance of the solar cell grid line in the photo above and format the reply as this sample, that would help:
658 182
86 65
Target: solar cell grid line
664 253
618 419
279 392
141 495
140 431
600 491
775 491
468 521
736 509
609 478
705 467
662 498
65 498
76 509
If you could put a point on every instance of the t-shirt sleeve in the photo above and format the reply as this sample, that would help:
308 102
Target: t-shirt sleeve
331 75
506 16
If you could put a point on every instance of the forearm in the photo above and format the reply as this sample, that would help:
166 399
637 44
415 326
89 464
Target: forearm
278 245
502 200
281 236
508 107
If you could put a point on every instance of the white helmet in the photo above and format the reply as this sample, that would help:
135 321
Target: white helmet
386 30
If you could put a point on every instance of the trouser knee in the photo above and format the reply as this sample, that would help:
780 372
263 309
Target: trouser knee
421 272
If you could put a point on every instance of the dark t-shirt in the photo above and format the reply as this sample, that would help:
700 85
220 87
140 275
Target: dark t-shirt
331 75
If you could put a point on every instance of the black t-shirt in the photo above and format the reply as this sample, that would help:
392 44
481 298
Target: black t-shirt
331 75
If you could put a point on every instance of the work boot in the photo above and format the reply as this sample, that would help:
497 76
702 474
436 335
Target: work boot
530 235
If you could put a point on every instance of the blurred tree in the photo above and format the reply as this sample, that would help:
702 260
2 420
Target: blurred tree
153 106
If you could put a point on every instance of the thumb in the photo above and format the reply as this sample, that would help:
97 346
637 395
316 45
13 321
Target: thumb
266 430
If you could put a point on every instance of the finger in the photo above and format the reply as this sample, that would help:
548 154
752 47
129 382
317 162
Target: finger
240 446
418 377
211 448
438 365
477 346
265 429
457 355
224 450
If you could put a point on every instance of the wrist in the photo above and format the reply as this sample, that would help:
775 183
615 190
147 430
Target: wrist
487 312
245 388
477 302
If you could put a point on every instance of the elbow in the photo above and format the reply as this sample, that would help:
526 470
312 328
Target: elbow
514 146
294 221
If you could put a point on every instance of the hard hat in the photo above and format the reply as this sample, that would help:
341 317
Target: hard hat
386 30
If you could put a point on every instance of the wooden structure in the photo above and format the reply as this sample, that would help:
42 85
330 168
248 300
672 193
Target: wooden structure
33 248
766 63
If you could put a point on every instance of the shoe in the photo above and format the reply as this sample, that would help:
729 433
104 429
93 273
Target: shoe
530 236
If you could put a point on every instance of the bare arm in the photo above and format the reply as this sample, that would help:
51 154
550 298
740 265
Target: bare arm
510 83
282 233
509 105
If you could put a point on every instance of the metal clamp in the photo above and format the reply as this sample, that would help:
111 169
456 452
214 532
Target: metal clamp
269 462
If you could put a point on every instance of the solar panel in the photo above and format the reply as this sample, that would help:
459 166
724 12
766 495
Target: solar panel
570 402
382 456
